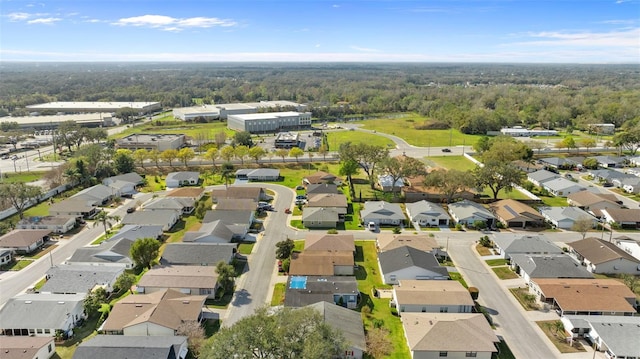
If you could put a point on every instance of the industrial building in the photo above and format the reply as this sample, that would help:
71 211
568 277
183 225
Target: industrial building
269 122
222 111
85 107
287 140
53 121
602 128
147 141
518 131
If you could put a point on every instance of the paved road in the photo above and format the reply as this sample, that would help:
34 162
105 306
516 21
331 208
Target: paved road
253 287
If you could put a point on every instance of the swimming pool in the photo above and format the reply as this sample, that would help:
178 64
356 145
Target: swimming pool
298 282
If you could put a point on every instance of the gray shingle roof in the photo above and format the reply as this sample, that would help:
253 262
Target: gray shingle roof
79 278
38 310
617 332
320 288
197 253
133 232
138 347
130 177
468 209
182 176
157 217
114 251
407 257
550 266
230 217
513 243
215 231
381 209
347 321
425 209
320 214
322 188
542 176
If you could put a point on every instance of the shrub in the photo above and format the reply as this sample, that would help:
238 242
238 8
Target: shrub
332 231
378 323
459 227
475 292
396 230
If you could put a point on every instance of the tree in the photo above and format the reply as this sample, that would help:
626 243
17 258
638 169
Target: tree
220 139
155 156
126 114
400 167
185 155
287 333
93 301
281 152
123 161
257 152
366 156
497 176
144 251
201 210
227 153
631 281
322 151
140 155
226 171
241 152
449 182
590 163
567 142
242 138
19 195
296 152
483 144
629 139
348 169
169 155
226 276
106 219
506 149
587 143
284 248
195 334
125 281
212 154
582 225
379 343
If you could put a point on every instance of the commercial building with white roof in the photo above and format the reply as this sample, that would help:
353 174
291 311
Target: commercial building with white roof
48 122
224 110
269 122
83 107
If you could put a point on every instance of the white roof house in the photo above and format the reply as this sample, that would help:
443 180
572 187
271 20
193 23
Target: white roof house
562 187
467 213
564 217
426 213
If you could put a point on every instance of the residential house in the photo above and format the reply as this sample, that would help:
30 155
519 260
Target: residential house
628 245
628 181
157 314
528 167
80 279
321 177
41 315
388 184
130 181
467 213
631 185
608 176
6 256
198 254
193 193
114 252
635 160
382 213
182 205
571 296
187 279
211 232
516 214
258 174
97 195
74 207
319 188
542 176
430 296
22 347
409 263
305 290
416 190
388 241
238 221
346 321
232 204
322 263
508 244
334 201
625 217
240 192
450 335
616 336
55 224
593 202
600 256
562 187
320 217
140 347
163 217
329 242
427 214
560 163
530 266
609 161
24 240
134 232
565 217
182 178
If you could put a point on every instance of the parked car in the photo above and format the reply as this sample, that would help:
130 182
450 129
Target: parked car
299 187
446 150
371 226
301 196
131 209
301 201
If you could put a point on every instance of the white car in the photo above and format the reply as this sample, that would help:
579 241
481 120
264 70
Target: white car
371 226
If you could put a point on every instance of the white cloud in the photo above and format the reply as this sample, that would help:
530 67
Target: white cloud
18 16
363 49
169 23
44 21
619 38
92 21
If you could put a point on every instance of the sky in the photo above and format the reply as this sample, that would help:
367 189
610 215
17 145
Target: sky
507 31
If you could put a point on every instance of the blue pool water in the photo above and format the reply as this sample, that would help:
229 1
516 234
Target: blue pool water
298 282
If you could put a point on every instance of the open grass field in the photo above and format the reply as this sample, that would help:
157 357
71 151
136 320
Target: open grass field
368 278
451 162
336 138
502 194
170 126
404 127
23 177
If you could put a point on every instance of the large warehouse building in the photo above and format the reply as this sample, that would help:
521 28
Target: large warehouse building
269 122
149 141
84 107
51 122
222 111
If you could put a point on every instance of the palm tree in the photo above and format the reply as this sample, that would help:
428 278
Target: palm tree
106 219
226 172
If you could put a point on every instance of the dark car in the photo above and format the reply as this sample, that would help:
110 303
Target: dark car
301 196
607 184
131 209
446 150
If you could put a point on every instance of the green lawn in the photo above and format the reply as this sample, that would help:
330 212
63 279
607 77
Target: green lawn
457 276
482 250
23 177
404 127
278 294
558 338
369 278
526 300
497 262
336 138
552 201
515 194
451 162
188 129
504 352
505 273
245 248
39 210
16 265
298 245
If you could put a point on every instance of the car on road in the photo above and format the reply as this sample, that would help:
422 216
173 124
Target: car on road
607 184
131 209
287 211
446 150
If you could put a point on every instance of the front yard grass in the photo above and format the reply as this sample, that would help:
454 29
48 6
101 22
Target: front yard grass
457 276
497 262
378 309
452 162
85 332
16 265
526 299
482 250
552 201
278 294
246 247
504 352
504 273
557 336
